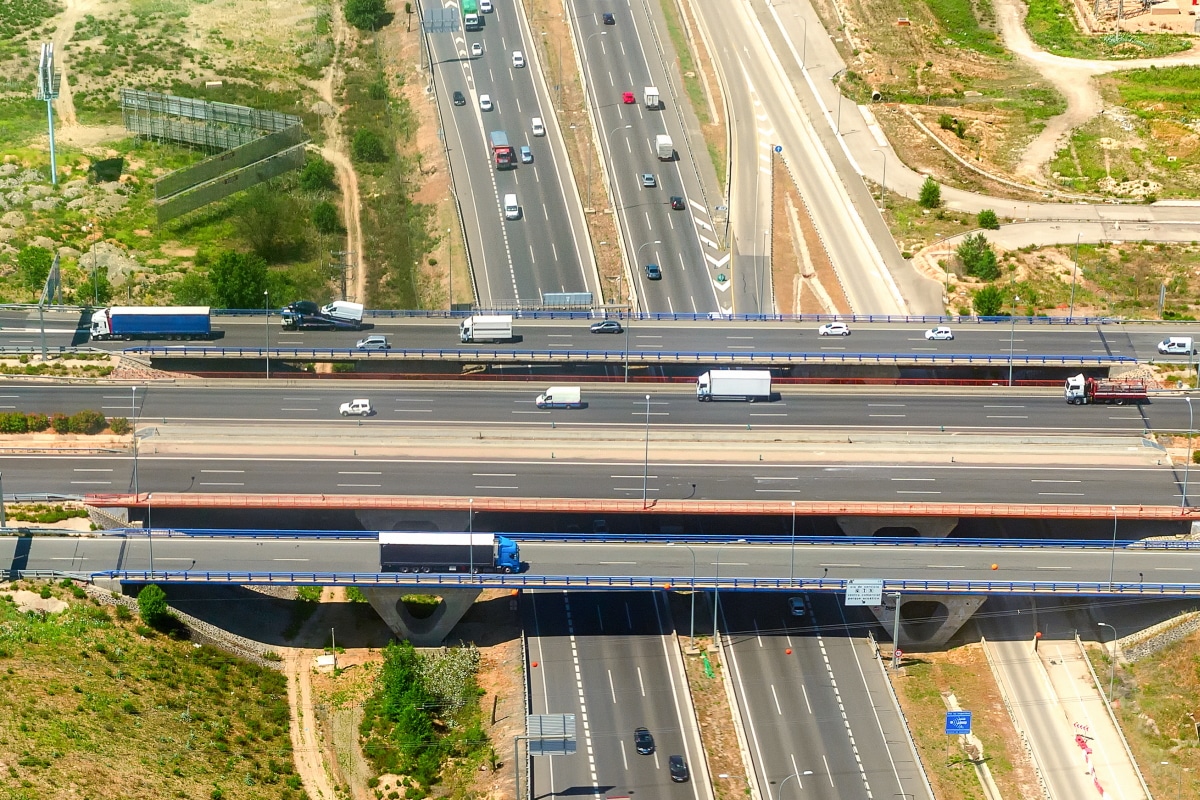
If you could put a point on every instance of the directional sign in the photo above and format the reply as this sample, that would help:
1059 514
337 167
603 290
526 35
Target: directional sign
958 722
778 148
864 592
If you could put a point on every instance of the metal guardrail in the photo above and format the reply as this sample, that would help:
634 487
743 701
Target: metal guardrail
647 583
616 356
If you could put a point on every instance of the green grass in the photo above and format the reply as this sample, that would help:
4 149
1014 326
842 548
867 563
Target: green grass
960 24
1171 92
1051 24
19 17
87 702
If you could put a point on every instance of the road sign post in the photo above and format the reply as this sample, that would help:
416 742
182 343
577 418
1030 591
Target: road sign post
958 722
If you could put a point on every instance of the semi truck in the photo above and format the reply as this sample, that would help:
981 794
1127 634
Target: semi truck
432 551
471 19
486 329
1080 390
560 397
502 151
664 147
651 97
345 311
750 385
151 322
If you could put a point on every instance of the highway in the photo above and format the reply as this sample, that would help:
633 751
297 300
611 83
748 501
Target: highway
547 249
19 328
611 660
617 59
820 717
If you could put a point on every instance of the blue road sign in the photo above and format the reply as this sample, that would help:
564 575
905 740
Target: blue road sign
958 722
778 148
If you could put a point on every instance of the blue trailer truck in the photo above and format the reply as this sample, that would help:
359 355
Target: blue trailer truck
426 551
151 322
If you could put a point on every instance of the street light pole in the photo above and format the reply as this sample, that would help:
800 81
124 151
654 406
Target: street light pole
628 324
150 529
883 180
1074 273
133 413
1012 334
1188 463
792 571
450 266
471 531
646 462
4 520
1113 565
716 585
1112 668
782 783
692 626
267 329
896 634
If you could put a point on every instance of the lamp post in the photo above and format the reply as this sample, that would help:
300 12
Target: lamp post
896 633
1112 664
133 413
692 626
716 582
1187 464
1074 273
267 329
883 180
3 519
804 47
450 267
1012 334
792 571
646 462
638 256
779 791
150 530
471 531
1113 565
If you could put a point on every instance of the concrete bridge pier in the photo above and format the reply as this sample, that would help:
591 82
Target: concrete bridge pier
428 632
929 527
927 621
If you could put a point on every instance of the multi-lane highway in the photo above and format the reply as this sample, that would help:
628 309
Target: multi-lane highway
547 248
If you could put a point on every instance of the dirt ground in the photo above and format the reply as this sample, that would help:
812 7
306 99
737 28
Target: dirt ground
801 270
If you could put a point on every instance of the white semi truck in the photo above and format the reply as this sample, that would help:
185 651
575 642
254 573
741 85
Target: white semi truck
484 328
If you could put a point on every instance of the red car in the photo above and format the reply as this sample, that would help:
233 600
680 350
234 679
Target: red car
628 99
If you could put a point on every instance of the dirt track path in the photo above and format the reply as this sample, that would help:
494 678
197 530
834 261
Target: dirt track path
306 743
1071 76
64 29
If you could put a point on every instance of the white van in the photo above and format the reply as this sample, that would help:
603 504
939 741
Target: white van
1177 345
511 209
560 397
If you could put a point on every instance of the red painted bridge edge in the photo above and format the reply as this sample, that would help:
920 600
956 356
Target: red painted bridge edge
594 506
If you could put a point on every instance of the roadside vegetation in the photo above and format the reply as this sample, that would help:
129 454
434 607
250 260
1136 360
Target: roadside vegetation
1052 25
96 702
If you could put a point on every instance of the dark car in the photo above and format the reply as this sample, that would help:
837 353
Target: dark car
679 768
644 741
677 203
609 19
303 307
460 99
653 273
607 326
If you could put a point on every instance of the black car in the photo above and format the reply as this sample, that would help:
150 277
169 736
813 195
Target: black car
459 99
609 19
679 769
677 203
653 273
607 326
303 307
644 741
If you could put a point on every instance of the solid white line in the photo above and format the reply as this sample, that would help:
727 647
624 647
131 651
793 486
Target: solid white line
223 471
1054 480
358 486
914 479
485 486
359 473
1061 494
207 483
911 491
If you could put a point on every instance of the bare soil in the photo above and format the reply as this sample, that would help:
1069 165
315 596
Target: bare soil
801 270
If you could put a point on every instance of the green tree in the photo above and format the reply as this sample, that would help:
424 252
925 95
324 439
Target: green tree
325 218
238 280
988 301
271 222
316 175
193 289
33 266
988 220
152 604
368 146
367 15
931 193
978 258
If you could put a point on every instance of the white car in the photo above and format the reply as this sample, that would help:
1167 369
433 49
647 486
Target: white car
538 128
796 605
358 408
942 334
834 329
485 102
485 6
518 59
476 49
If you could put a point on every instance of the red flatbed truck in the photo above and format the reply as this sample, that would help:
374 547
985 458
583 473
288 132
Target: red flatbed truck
1082 390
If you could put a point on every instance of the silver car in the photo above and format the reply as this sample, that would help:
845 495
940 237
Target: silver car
374 342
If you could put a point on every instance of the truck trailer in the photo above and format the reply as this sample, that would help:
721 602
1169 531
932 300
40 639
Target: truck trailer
664 148
432 551
486 329
651 97
151 322
502 151
750 385
471 19
1080 390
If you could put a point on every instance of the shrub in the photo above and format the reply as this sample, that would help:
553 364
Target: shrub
325 218
987 219
931 193
978 258
367 15
33 266
368 146
119 425
36 423
86 421
152 604
124 614
988 301
60 423
13 422
239 280
316 175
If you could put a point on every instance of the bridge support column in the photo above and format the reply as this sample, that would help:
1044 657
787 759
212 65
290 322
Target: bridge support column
930 527
927 621
427 632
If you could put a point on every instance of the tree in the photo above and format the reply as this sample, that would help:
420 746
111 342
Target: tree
193 289
978 258
316 175
270 221
152 604
368 146
366 15
931 193
238 280
988 301
33 266
325 218
987 219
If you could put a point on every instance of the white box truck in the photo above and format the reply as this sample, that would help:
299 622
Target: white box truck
664 147
560 397
651 97
750 385
486 329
